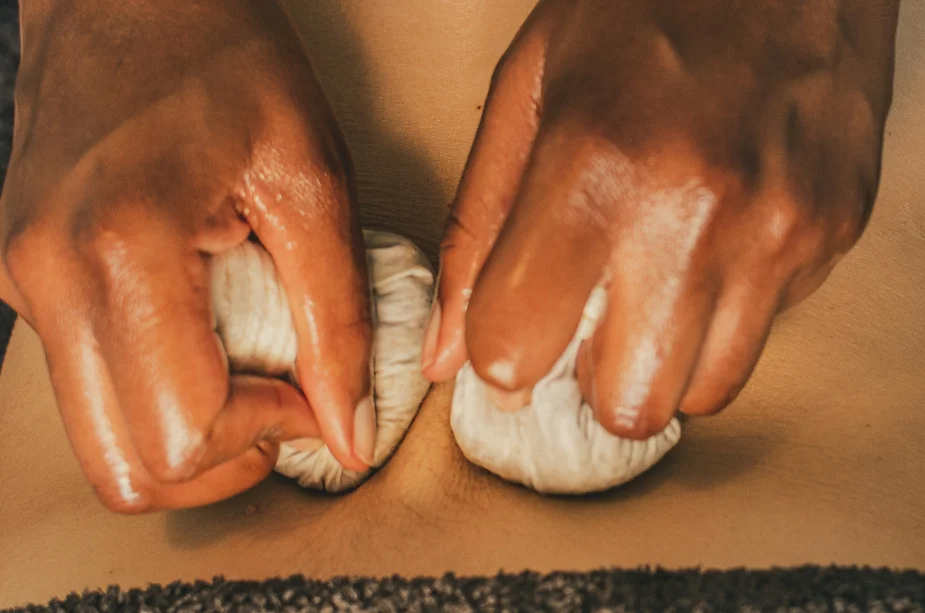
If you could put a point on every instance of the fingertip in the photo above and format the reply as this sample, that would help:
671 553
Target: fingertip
510 402
496 368
732 348
622 406
447 344
114 500
338 428
344 421
496 350
336 375
635 423
527 306
704 403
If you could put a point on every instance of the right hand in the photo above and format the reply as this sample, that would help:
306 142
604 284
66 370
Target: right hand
148 136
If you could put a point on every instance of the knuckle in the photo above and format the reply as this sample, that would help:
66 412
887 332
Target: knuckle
507 68
349 328
107 247
23 242
849 227
175 452
169 466
312 147
780 223
861 116
601 168
104 237
331 165
458 234
847 232
164 470
520 66
33 256
499 75
463 251
172 408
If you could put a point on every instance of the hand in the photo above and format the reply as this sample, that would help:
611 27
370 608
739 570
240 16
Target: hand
148 136
710 160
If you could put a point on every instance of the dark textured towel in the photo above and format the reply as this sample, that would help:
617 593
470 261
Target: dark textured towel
9 62
802 589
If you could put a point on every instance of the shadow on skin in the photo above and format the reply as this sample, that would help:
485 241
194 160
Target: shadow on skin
702 460
263 509
710 460
428 480
394 180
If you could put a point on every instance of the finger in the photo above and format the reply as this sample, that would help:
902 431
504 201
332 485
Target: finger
300 202
734 342
102 443
258 410
219 483
552 251
636 367
807 281
153 323
486 192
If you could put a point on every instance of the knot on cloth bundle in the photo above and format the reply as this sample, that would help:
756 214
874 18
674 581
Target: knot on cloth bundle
254 322
553 445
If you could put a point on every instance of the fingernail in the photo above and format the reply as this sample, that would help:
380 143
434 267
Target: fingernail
431 336
364 431
510 401
306 444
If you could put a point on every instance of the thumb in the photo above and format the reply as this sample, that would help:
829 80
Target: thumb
486 193
306 219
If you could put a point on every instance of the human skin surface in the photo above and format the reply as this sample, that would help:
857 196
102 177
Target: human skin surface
709 161
712 160
199 124
818 460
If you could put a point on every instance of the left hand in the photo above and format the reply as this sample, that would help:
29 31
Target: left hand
712 159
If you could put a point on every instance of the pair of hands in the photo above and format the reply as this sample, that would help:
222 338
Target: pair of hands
711 160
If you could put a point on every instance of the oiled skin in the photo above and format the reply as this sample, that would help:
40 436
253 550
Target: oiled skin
715 158
147 137
711 160
818 460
